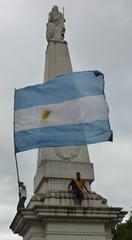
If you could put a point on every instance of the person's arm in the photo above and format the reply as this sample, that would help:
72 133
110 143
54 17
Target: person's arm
86 188
19 191
50 17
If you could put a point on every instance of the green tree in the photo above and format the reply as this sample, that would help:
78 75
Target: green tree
123 231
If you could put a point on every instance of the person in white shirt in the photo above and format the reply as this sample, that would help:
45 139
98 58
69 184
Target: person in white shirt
22 195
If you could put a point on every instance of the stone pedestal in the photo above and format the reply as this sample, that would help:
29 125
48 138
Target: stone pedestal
53 175
44 222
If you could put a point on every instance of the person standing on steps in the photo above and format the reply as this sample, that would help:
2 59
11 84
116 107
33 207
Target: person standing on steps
77 187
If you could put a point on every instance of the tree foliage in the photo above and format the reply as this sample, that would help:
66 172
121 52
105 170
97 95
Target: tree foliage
123 231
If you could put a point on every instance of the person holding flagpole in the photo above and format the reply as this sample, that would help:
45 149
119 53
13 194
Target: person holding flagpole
22 195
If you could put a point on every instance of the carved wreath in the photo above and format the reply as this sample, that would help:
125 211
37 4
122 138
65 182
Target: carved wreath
70 156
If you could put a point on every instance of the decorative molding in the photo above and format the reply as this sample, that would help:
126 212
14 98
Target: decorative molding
39 215
71 233
66 195
69 155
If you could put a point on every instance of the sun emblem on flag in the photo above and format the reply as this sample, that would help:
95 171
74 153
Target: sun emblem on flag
45 114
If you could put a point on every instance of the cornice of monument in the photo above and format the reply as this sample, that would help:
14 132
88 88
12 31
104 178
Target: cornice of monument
38 215
52 41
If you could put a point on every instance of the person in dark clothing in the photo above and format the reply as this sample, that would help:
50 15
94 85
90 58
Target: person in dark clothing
77 187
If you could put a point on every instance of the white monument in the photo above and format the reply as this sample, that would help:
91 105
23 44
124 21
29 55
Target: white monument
51 213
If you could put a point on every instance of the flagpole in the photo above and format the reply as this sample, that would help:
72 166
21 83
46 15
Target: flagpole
16 162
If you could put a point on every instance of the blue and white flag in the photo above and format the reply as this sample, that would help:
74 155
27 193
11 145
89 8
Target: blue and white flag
68 110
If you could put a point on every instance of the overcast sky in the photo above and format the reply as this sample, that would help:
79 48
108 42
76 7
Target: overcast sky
99 35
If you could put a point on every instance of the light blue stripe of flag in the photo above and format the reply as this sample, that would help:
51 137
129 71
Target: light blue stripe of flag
65 135
66 87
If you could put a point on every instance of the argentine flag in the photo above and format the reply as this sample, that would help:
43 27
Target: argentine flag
68 110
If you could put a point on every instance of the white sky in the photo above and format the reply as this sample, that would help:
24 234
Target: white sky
99 36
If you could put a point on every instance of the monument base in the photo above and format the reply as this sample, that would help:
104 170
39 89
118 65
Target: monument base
42 220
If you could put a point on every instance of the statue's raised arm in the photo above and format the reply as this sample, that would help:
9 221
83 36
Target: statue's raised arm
55 26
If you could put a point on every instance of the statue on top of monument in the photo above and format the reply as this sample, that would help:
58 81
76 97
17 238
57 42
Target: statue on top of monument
55 26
